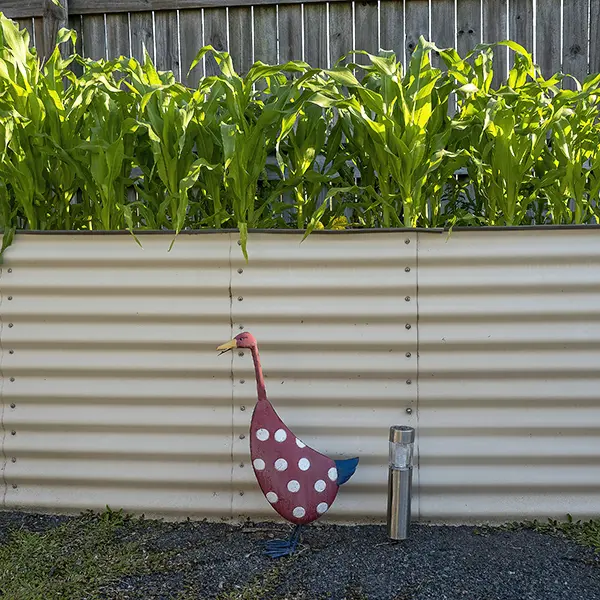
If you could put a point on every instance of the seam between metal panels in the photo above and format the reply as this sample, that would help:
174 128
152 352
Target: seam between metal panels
232 442
2 405
417 408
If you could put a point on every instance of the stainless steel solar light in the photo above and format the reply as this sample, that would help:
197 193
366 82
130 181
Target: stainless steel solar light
402 440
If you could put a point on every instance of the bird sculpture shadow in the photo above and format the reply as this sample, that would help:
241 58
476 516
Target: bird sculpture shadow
299 482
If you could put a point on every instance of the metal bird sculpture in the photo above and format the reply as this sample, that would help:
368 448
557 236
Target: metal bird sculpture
299 482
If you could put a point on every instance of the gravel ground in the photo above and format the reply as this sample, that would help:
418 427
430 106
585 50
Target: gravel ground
210 560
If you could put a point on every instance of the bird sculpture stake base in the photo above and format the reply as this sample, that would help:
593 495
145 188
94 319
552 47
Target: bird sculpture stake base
300 483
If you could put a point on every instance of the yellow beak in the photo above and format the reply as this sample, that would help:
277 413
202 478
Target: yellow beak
228 346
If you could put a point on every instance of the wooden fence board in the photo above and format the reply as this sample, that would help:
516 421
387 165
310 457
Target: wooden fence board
366 29
468 24
142 35
575 40
392 27
22 9
340 31
117 29
595 37
416 24
28 25
495 29
167 43
94 45
240 38
215 35
192 39
290 32
315 35
265 34
548 37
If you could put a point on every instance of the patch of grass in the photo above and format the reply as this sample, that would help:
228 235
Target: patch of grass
75 560
586 533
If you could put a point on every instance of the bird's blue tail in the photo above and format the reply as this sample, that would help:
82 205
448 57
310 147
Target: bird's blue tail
345 469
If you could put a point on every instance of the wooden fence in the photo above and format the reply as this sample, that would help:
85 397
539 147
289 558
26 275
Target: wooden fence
562 34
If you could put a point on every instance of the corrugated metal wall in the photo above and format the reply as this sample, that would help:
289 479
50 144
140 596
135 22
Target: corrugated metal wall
112 392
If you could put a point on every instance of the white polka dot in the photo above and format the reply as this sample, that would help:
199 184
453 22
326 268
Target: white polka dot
280 435
293 486
300 444
298 512
304 464
320 485
322 507
259 464
262 435
332 474
272 497
281 464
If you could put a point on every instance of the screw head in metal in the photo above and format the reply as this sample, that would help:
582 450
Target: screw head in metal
242 436
12 378
10 297
10 270
241 327
13 459
13 405
407 269
240 354
408 381
241 493
407 298
13 432
10 324
11 351
242 408
408 326
242 381
409 411
408 354
241 465
240 298
240 271
14 485
407 241
239 242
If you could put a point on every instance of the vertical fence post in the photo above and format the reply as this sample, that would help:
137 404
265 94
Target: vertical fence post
56 16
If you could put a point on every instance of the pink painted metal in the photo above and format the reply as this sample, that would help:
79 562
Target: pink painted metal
299 482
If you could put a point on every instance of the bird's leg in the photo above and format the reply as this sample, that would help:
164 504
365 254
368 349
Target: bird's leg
279 548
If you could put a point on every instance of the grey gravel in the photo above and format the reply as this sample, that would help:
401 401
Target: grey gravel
208 560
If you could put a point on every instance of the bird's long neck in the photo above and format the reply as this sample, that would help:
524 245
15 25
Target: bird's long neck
260 380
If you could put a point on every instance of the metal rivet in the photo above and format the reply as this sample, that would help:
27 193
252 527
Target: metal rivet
14 486
408 355
10 324
13 459
409 411
12 378
241 327
242 436
242 408
240 271
241 493
239 242
408 381
13 405
13 432
407 269
10 297
11 351
242 381
408 326
407 298
240 354
10 270
240 298
241 465
407 241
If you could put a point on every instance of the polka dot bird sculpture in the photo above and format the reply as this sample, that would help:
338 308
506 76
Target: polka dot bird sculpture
299 482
